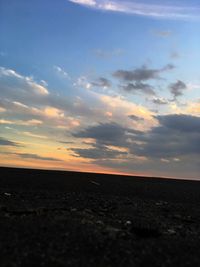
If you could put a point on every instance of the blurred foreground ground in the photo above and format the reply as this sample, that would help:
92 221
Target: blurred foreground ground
56 218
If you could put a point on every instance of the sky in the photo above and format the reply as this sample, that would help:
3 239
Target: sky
101 86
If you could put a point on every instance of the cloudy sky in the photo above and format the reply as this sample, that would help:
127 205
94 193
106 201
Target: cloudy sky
101 86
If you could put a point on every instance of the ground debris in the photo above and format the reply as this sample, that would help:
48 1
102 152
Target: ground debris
95 183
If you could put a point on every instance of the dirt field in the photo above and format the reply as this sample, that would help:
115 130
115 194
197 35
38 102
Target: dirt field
52 218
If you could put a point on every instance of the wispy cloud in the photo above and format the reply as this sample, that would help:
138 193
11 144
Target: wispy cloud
143 9
21 122
177 88
35 156
6 142
142 74
61 72
35 135
85 2
26 85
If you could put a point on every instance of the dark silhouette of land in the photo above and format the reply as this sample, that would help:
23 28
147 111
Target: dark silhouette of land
57 218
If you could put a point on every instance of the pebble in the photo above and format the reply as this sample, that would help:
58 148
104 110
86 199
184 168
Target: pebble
171 231
127 223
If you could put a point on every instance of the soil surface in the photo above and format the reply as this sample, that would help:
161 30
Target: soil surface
53 218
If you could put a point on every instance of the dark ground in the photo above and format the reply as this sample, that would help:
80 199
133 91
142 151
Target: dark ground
52 218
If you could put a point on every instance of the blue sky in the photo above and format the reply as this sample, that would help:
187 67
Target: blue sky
75 73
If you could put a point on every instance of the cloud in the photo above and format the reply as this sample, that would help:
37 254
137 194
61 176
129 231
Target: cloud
20 122
61 72
84 2
35 156
170 148
160 101
23 106
102 82
44 83
25 100
141 74
41 90
83 82
65 142
181 123
99 152
35 135
177 88
135 118
17 87
193 86
52 112
155 10
30 104
176 136
5 142
193 107
110 140
120 109
2 109
105 133
138 87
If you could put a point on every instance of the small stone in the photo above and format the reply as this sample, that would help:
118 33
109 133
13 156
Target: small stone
171 231
95 183
127 223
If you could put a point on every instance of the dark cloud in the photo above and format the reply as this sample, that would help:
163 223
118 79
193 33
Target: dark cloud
159 101
135 118
99 152
65 142
176 136
107 133
102 82
139 87
5 142
181 123
102 132
141 74
35 156
177 88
